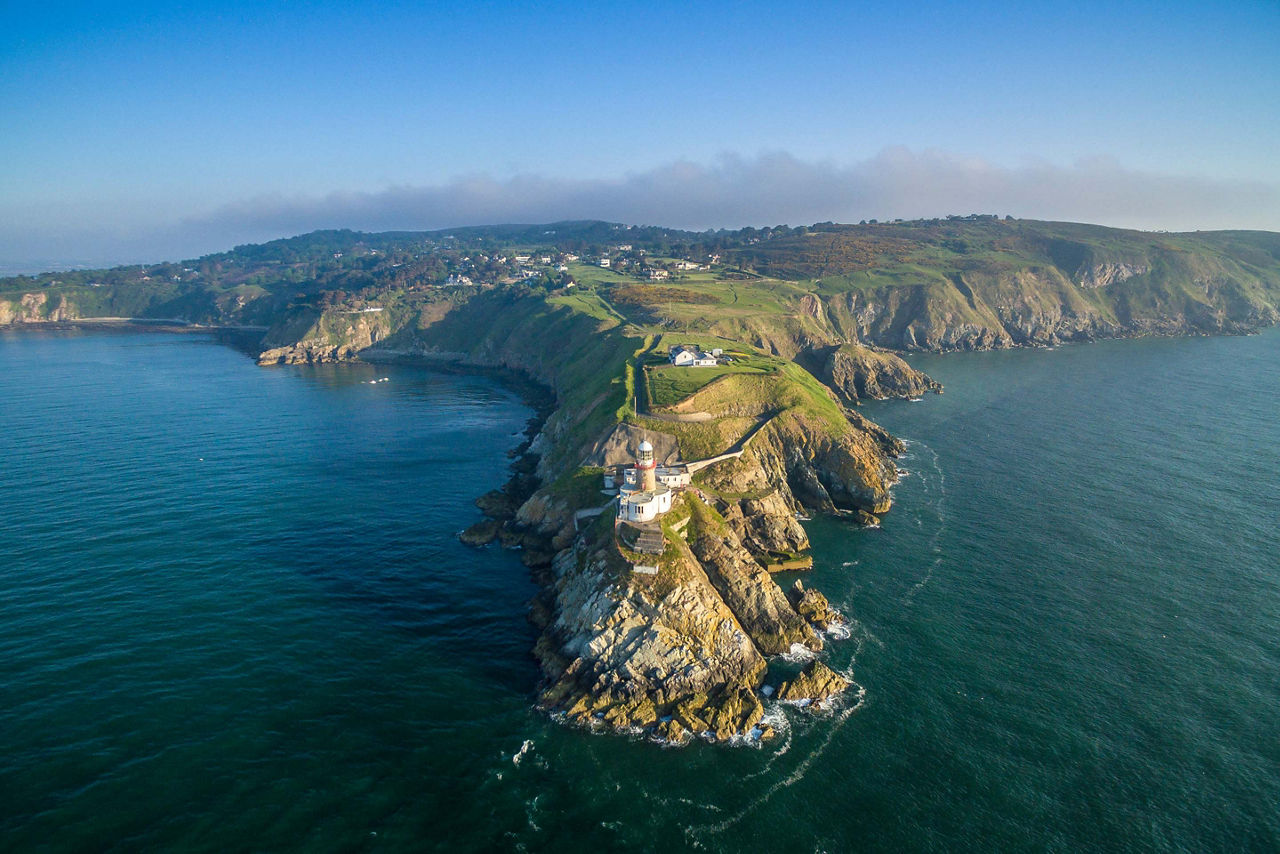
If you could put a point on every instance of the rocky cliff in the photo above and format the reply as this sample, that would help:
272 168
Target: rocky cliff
858 373
36 308
330 336
678 652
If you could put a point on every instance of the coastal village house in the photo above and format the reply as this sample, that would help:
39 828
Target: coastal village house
690 356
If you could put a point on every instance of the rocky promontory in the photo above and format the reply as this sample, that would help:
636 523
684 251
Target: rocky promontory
856 372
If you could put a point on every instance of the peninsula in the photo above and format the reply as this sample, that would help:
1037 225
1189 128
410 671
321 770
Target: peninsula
704 391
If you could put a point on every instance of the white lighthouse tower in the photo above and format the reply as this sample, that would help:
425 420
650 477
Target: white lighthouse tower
641 498
646 468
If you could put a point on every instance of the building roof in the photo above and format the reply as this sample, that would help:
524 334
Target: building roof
645 446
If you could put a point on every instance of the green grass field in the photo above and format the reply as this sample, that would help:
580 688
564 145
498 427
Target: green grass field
668 384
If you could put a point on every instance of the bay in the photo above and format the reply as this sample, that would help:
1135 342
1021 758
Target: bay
234 615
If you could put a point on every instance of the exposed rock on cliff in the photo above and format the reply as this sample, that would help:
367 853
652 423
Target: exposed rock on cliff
809 464
751 593
36 308
860 373
813 606
333 336
1101 275
626 649
767 525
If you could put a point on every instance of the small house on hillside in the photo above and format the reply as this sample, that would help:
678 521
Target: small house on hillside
689 356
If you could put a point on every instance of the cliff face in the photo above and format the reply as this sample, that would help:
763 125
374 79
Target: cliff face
36 308
860 373
625 649
980 308
332 336
679 652
793 463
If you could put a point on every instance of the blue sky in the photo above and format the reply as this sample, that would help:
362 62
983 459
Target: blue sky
134 130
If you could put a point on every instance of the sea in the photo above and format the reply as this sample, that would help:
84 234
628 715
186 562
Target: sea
235 616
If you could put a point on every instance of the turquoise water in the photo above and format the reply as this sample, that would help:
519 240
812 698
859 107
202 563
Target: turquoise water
234 616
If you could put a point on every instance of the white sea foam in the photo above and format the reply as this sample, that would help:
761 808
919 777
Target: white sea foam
852 704
525 750
838 631
797 654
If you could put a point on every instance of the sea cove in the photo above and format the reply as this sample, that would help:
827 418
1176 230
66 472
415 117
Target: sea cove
237 616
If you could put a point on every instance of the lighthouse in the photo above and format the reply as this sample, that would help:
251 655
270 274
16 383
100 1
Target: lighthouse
645 493
646 468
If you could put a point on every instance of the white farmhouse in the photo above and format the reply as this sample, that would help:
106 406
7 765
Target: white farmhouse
689 356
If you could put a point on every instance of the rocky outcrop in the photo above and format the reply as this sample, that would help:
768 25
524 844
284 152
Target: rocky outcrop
767 525
1101 275
813 606
810 465
36 308
334 336
626 650
861 373
815 683
751 594
309 353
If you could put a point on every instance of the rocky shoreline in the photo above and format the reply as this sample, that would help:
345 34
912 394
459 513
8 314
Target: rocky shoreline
682 653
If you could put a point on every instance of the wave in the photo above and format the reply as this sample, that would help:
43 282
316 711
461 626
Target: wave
798 654
841 712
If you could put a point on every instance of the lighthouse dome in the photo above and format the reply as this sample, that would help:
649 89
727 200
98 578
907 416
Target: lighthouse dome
645 446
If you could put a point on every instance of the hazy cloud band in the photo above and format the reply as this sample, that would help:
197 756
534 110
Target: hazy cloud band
733 191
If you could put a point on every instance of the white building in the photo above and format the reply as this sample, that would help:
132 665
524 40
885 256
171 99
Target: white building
604 262
641 498
689 356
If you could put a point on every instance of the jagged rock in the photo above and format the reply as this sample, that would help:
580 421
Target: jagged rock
497 504
547 515
1101 275
867 519
35 308
481 533
671 731
533 557
623 651
752 594
541 612
860 373
768 525
810 464
813 606
816 682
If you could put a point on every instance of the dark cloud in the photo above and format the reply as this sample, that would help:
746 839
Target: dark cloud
736 191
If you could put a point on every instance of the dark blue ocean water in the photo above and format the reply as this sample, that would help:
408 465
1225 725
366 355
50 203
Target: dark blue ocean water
234 616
